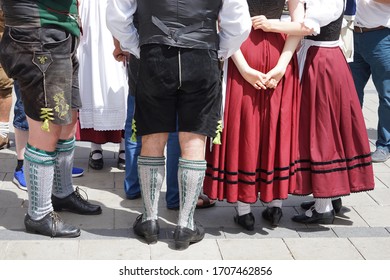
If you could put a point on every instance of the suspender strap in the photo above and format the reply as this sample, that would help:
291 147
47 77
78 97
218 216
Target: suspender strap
175 34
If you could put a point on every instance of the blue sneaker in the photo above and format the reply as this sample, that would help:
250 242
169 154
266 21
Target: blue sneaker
19 180
77 172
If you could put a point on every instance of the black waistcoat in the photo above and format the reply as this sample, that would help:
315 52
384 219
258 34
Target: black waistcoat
179 23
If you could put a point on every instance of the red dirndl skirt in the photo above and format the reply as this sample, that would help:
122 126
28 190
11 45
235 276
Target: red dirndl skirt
259 138
334 152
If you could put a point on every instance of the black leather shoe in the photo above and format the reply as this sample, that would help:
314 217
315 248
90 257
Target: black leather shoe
247 221
50 225
316 218
184 236
273 214
336 203
96 164
148 230
75 203
121 164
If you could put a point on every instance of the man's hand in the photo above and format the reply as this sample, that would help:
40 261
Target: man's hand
119 54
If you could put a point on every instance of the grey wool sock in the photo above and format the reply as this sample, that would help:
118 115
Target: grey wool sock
190 174
63 181
39 173
151 173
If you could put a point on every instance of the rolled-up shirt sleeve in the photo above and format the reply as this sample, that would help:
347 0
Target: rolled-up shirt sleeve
235 24
119 20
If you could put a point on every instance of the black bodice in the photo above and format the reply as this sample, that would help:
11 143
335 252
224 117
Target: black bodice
272 9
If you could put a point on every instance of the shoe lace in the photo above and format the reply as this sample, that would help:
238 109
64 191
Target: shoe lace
79 195
56 219
55 216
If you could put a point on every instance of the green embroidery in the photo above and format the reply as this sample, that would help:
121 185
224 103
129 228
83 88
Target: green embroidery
217 138
46 115
42 59
61 107
134 129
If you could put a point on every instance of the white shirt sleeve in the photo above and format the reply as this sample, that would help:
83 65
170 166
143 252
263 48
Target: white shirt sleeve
119 19
235 24
322 12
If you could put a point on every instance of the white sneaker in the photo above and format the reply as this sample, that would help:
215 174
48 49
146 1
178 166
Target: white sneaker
381 154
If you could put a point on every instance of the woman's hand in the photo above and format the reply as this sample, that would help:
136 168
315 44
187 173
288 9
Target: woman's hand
261 22
255 78
273 77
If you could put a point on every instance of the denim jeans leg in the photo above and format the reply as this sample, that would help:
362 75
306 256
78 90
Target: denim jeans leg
173 154
372 56
132 151
381 77
361 73
20 120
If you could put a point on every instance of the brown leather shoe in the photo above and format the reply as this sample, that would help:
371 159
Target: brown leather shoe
4 142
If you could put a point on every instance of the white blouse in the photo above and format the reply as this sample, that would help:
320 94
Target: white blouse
322 12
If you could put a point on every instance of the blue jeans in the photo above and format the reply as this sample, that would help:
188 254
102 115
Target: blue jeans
372 57
133 149
20 120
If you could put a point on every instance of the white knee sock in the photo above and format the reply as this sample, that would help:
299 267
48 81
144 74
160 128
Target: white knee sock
39 173
151 173
323 205
122 148
63 181
95 147
190 175
243 208
275 203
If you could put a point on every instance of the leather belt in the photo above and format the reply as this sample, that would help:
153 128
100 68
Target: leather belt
359 29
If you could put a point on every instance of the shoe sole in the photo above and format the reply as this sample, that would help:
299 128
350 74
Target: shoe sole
182 245
57 209
151 239
33 231
19 185
327 221
275 222
77 175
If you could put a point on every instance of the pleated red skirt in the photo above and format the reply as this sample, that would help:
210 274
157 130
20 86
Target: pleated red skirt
260 135
334 150
98 136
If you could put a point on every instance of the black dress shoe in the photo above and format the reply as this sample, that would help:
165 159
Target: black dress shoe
148 230
121 164
273 214
96 164
316 218
50 225
247 221
336 203
184 236
75 203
